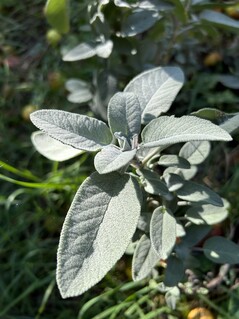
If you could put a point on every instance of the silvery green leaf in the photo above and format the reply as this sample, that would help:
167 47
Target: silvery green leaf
173 160
220 20
123 4
79 91
194 234
155 5
80 52
104 49
174 271
180 231
152 183
208 214
195 151
79 131
53 149
186 174
163 231
167 130
144 259
221 250
138 22
230 81
194 192
156 90
231 125
111 158
173 181
97 230
124 114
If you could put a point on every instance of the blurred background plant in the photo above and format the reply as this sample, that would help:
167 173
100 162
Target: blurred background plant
74 56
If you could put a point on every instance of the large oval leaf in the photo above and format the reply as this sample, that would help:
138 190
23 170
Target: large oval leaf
53 149
156 90
163 231
168 130
221 250
97 230
124 114
195 151
76 130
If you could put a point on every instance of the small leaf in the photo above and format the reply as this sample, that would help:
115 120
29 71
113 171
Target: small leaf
124 114
53 149
156 89
138 22
80 52
173 181
111 158
144 221
196 151
152 183
221 250
208 113
57 14
168 130
144 259
172 296
194 192
79 131
163 231
194 234
173 160
207 214
104 49
80 91
174 271
220 20
97 230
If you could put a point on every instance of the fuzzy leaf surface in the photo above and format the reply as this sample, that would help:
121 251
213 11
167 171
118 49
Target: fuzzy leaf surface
173 160
97 230
221 250
207 214
156 89
124 114
195 151
144 259
53 149
111 158
168 130
79 131
152 183
194 192
163 231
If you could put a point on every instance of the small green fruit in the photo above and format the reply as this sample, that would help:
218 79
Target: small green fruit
53 37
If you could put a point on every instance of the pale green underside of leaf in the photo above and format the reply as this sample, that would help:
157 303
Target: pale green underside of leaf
194 192
207 214
111 158
156 89
163 231
124 114
144 259
173 160
231 125
79 91
57 14
168 130
196 151
88 50
97 230
221 250
79 131
53 149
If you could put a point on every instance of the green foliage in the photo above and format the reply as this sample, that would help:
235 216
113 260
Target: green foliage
106 209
